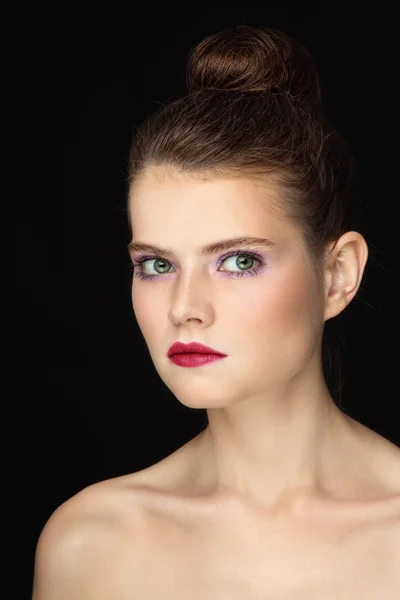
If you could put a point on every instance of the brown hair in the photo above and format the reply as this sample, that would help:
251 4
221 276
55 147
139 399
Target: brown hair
254 108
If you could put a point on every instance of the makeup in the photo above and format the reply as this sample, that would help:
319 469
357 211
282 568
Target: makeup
139 270
194 360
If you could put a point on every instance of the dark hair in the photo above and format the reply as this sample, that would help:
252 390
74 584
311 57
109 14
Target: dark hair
254 108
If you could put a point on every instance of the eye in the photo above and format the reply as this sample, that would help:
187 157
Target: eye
240 259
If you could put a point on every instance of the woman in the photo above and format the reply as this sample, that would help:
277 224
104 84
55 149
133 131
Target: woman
242 209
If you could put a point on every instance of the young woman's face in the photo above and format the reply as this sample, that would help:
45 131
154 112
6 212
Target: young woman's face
263 309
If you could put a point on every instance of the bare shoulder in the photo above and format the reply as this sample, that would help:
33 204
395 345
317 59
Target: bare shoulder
378 463
381 460
79 538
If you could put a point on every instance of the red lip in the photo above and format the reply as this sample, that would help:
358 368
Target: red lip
192 348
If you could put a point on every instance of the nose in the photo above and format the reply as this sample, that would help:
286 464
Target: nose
190 302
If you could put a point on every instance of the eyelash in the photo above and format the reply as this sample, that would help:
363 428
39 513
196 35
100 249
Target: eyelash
141 275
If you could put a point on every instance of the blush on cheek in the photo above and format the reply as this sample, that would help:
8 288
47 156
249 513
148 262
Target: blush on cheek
288 304
281 334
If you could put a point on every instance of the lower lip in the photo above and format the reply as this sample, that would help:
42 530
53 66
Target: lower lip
194 360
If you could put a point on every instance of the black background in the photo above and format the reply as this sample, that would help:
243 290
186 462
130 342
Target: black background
88 402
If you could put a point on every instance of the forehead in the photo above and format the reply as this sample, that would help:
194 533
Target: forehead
163 201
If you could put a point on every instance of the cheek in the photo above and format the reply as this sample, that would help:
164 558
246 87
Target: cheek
145 309
286 307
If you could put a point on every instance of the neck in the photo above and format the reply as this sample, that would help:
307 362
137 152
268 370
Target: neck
277 448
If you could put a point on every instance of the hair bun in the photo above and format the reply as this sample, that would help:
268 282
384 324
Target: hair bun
250 59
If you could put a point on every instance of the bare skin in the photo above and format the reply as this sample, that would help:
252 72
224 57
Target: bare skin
282 497
162 533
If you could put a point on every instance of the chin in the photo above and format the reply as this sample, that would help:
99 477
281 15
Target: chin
198 398
205 404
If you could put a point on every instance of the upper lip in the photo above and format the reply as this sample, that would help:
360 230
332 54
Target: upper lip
193 347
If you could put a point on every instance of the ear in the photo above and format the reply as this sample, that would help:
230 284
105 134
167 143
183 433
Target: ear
345 262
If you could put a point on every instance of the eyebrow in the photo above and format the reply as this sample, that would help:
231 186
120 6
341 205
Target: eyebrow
208 250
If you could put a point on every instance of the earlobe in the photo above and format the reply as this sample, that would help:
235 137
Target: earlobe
345 266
